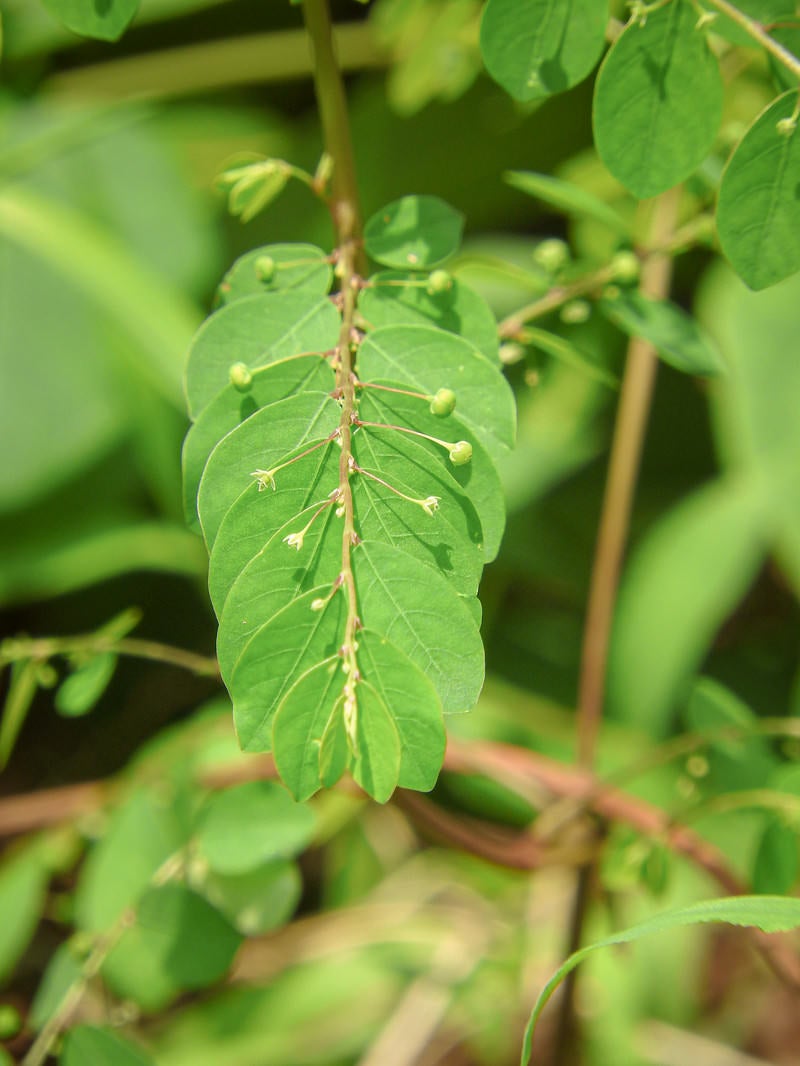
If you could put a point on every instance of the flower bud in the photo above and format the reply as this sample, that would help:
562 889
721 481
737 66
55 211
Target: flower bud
443 403
461 453
240 377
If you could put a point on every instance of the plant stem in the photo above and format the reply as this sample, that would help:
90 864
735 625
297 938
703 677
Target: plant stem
44 648
626 449
758 33
346 214
258 59
332 105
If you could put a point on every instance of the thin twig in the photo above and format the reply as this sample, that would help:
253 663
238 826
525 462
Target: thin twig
44 648
759 34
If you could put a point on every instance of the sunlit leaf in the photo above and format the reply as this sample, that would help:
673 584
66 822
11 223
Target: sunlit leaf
535 48
758 214
648 129
414 232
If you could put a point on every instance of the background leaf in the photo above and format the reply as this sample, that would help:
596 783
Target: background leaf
758 214
414 232
108 20
649 131
534 48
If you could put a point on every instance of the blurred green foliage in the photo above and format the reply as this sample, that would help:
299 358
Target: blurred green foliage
112 242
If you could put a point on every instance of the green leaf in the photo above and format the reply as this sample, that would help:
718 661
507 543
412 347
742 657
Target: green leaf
414 232
766 12
63 970
256 331
243 827
307 719
101 1047
140 837
396 297
568 199
255 191
561 349
776 863
229 408
179 942
376 764
478 478
427 360
256 517
414 608
771 914
106 21
23 888
21 691
258 901
79 692
293 641
262 442
754 407
675 335
297 266
789 37
682 582
535 48
734 762
413 704
649 130
758 213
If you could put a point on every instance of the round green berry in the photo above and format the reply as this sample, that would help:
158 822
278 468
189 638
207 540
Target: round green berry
438 282
575 312
625 267
461 453
240 376
265 268
443 403
10 1021
552 255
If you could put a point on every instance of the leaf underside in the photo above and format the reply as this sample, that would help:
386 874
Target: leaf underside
266 462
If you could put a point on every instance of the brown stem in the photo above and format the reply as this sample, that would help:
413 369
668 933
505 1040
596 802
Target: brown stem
626 449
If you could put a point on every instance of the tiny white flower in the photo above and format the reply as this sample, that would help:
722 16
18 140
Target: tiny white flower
265 479
431 504
295 540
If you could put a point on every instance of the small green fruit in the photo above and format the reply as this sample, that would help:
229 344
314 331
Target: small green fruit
443 403
511 353
625 267
265 268
552 255
10 1021
575 312
438 282
240 376
461 453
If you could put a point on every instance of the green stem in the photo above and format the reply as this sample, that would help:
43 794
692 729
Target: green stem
758 33
332 104
43 648
258 59
346 214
